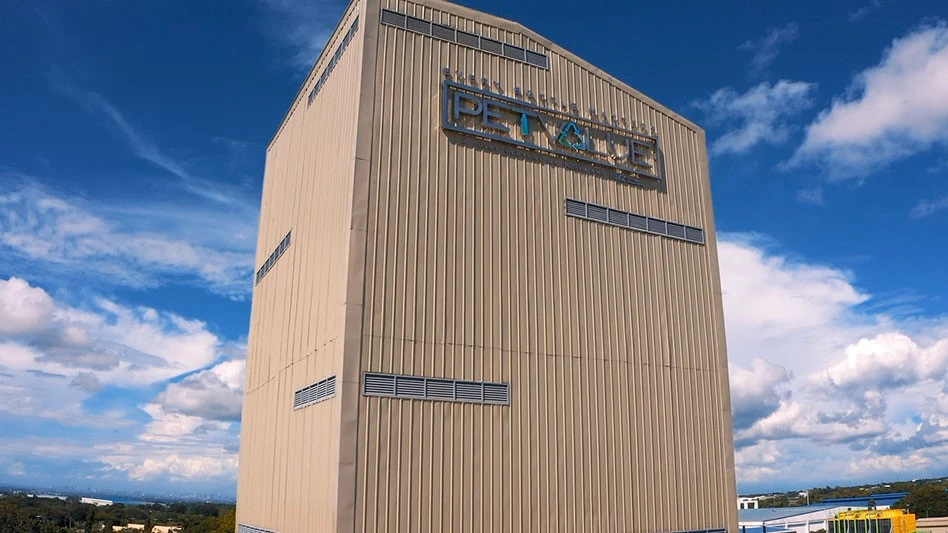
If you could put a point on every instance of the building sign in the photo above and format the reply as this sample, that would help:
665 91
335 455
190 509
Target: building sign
627 155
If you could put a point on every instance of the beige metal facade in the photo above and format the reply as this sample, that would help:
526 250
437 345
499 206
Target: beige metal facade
418 252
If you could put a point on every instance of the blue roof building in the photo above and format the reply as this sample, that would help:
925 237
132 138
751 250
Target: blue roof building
882 500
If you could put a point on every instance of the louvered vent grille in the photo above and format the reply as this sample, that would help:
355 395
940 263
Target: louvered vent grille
244 528
657 226
315 393
576 209
274 257
447 33
418 25
336 57
437 389
633 221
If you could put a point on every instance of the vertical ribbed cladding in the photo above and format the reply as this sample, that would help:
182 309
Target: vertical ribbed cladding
296 323
609 338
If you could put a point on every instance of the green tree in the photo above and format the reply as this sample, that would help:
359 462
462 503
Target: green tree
925 501
227 522
149 524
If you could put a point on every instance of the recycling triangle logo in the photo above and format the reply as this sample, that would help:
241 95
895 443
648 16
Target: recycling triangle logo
571 136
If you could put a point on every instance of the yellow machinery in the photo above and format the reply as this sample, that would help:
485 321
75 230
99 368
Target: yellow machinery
887 521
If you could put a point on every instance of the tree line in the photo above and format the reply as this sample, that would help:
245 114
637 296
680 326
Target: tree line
22 514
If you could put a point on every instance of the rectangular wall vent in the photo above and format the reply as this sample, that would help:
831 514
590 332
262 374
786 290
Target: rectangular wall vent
471 40
244 528
633 221
315 393
274 257
435 389
333 60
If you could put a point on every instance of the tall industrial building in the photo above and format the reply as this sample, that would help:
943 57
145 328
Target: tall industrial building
487 294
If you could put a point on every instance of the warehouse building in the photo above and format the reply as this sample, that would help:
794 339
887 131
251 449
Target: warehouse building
487 294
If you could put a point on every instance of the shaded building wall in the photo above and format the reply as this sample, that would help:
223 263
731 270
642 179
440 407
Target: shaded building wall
289 459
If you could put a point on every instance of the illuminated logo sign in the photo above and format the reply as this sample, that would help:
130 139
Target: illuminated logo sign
625 154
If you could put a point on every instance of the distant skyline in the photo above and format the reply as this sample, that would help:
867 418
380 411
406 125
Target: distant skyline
130 178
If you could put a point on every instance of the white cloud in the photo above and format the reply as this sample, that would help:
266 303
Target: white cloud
767 48
756 392
891 111
141 145
18 469
171 462
105 343
50 233
827 380
858 14
215 394
23 309
926 208
811 196
760 115
301 27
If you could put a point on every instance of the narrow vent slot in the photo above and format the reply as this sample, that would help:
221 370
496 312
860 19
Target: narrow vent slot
379 385
435 389
496 393
317 392
492 46
514 52
469 39
468 391
656 226
618 218
598 213
537 59
445 32
575 208
244 528
694 235
392 18
410 387
676 230
418 25
638 222
440 31
633 221
439 389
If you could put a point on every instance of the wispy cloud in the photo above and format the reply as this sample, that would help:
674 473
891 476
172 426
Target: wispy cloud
768 47
757 116
858 14
926 208
300 28
140 144
68 238
811 196
891 111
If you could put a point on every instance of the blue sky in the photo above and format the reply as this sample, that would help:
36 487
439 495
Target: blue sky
130 171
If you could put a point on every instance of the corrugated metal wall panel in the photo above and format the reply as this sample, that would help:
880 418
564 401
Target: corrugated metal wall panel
289 460
612 340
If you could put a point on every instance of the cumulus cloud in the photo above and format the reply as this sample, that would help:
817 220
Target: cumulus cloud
104 343
214 394
45 232
891 111
814 366
767 48
759 116
756 392
174 463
